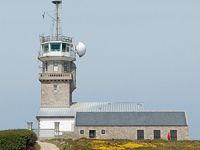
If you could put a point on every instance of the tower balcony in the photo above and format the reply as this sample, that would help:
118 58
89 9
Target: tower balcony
55 76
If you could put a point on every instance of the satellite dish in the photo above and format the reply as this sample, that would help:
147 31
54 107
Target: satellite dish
81 49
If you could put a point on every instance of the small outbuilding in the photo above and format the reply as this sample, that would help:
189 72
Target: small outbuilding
131 125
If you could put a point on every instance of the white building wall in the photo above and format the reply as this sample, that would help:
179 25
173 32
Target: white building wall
66 124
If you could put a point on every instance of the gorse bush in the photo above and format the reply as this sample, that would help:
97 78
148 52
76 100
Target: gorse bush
95 144
17 140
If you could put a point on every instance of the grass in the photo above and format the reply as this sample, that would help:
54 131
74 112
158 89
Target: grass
92 144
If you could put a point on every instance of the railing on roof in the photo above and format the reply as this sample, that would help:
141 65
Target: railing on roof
44 39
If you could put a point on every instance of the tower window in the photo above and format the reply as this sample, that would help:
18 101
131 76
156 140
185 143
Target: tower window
55 47
55 87
46 47
67 48
65 67
55 67
63 47
46 66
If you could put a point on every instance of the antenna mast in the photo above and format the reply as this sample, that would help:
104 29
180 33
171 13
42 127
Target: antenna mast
57 3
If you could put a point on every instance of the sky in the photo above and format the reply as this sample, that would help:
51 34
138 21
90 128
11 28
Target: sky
137 51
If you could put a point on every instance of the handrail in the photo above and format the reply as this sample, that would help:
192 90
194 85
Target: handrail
55 38
55 74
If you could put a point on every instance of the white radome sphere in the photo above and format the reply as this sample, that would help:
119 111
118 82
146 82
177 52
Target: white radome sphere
81 49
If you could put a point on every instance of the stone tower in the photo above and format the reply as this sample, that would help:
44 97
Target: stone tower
58 76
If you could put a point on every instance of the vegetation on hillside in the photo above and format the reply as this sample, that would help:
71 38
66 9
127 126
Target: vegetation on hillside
17 140
92 144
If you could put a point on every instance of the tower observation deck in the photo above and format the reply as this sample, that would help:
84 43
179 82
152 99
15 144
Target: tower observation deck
57 55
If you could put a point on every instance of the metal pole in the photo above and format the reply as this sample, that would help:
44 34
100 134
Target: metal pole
57 20
57 3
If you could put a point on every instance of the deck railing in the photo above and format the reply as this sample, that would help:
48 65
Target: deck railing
44 39
55 76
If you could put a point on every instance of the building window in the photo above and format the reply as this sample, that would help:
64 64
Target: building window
65 47
81 131
46 66
173 134
56 127
92 133
103 131
65 67
55 87
43 67
140 134
45 47
68 48
55 67
156 134
55 47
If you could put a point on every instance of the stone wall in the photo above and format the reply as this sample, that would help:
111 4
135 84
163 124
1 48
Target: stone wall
129 132
56 94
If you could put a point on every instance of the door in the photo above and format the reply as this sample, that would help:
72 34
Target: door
92 133
173 134
156 134
140 134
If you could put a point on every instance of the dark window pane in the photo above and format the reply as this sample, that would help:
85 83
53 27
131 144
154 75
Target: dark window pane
173 134
64 47
103 132
81 131
156 134
140 134
55 46
92 133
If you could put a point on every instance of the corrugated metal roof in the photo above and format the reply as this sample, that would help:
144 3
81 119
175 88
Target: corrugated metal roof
131 119
90 107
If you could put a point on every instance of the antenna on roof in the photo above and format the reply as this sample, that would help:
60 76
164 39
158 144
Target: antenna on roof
58 20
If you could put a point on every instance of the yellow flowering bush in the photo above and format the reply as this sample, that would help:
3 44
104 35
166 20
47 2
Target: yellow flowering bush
107 145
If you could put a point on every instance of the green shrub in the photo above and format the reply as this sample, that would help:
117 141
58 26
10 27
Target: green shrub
17 139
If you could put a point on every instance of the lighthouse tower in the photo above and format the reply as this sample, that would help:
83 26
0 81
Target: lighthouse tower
58 76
